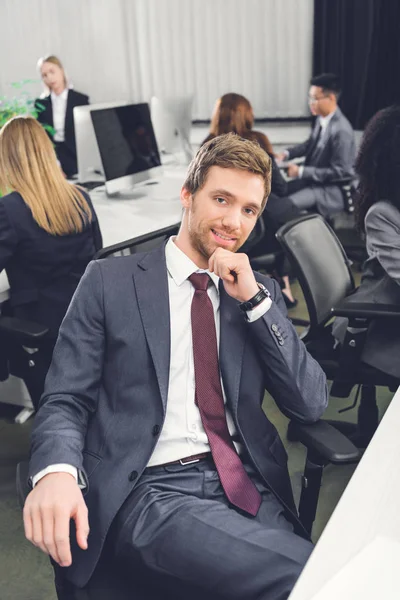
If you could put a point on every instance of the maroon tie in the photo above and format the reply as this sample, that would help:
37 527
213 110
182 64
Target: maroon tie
238 487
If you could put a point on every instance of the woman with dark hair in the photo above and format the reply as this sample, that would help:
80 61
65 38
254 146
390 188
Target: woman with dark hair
378 214
56 108
234 113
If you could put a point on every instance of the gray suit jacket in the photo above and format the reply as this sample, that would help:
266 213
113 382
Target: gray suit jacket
331 159
107 387
380 284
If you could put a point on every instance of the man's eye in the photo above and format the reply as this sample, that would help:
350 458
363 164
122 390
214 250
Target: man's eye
250 211
220 200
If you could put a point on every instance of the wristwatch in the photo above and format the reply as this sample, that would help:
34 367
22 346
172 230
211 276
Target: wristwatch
255 300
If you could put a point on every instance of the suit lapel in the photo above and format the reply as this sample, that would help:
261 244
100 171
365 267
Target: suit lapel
151 284
233 333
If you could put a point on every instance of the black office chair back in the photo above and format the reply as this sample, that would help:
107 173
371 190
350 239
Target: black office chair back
320 263
142 243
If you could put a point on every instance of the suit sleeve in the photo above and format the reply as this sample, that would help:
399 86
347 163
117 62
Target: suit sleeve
294 379
299 150
8 238
382 227
73 380
342 159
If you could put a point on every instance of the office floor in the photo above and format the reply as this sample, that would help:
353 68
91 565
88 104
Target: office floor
25 573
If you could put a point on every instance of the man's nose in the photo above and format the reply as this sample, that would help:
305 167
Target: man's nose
231 220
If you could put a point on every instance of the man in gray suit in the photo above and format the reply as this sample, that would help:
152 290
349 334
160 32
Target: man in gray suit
151 420
329 152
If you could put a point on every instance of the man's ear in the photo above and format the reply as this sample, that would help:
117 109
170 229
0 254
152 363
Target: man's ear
186 198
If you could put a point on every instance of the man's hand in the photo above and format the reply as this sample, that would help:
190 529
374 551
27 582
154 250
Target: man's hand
47 512
280 156
236 273
293 170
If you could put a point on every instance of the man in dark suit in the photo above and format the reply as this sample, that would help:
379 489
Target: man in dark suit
329 152
151 419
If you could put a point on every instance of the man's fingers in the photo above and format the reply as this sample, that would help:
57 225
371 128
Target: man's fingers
28 527
47 516
37 531
82 526
61 537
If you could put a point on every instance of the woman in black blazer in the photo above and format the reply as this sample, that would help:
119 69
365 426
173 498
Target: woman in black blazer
56 109
48 232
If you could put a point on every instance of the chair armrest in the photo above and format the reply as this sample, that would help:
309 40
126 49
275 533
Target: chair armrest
26 333
365 310
326 441
23 487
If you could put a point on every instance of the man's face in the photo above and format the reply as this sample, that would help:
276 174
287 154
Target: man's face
320 103
222 213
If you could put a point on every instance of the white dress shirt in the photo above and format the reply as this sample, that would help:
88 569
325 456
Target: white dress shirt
182 434
59 106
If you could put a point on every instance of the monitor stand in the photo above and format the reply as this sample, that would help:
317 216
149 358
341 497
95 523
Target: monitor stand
136 192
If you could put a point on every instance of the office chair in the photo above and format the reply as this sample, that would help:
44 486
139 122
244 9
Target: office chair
324 274
324 445
344 224
29 365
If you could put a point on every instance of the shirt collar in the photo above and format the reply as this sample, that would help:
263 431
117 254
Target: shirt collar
180 267
62 96
323 121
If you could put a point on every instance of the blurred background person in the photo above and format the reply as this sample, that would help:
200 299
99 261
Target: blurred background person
48 234
329 152
378 214
234 113
56 109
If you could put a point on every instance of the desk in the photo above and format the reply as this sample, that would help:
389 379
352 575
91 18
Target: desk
148 208
367 513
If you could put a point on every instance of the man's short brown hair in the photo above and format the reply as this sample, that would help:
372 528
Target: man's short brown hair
229 151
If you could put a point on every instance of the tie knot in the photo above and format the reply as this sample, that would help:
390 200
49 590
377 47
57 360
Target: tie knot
200 281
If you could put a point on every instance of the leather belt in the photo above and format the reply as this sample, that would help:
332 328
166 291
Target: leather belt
188 460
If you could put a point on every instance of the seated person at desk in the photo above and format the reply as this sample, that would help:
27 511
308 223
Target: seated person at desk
185 474
233 113
48 234
329 152
56 109
378 213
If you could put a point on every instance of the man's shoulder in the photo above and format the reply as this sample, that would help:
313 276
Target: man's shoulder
342 122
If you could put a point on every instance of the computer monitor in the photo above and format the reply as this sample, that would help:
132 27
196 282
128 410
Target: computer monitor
127 145
88 155
172 122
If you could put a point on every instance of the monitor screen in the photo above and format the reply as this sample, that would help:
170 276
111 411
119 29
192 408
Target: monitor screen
127 144
90 167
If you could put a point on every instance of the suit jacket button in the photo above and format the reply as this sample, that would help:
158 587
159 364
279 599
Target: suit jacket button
280 342
274 328
133 475
156 430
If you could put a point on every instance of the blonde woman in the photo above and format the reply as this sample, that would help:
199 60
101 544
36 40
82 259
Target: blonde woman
56 109
48 230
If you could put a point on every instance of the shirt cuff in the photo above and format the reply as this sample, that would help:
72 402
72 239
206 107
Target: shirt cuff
59 468
259 310
301 170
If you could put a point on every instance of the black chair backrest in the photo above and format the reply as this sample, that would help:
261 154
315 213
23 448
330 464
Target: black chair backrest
255 236
142 243
320 263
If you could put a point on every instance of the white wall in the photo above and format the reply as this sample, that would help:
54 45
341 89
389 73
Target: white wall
131 49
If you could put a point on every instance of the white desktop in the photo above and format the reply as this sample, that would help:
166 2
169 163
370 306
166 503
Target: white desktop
87 151
172 122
